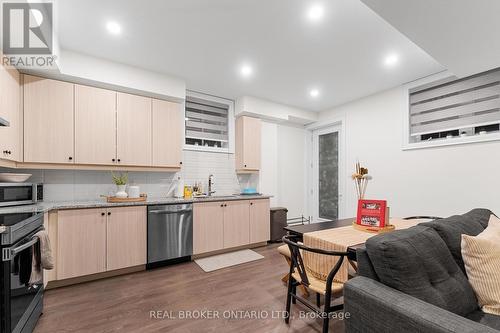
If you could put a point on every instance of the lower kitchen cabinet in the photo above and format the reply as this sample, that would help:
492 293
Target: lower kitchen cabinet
208 227
236 223
81 242
126 237
91 241
259 221
229 224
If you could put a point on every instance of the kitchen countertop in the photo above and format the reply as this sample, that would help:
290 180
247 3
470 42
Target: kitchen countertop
43 207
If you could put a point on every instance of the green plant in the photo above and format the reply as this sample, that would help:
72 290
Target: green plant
120 179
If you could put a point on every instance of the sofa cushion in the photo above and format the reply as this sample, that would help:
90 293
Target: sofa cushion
451 229
417 262
487 319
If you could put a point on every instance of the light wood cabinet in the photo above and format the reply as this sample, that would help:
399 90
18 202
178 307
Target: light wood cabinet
133 127
259 221
236 223
248 142
10 110
126 237
48 120
81 242
208 227
95 125
167 133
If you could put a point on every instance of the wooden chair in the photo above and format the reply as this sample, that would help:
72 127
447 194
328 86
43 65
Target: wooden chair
284 250
298 276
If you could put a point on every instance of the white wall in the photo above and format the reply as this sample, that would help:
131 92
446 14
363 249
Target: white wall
436 181
283 163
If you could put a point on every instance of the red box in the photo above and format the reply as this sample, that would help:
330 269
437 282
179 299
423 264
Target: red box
372 213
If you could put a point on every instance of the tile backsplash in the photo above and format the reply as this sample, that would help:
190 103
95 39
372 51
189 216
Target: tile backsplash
81 185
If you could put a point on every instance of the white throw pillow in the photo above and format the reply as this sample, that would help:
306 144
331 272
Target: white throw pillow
481 255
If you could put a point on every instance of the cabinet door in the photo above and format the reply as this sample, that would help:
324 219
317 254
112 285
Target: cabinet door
248 143
95 125
126 237
208 227
48 120
10 90
133 130
167 133
81 242
236 223
259 221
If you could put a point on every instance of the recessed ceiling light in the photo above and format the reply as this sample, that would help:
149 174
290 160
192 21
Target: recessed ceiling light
314 93
114 28
391 60
246 70
315 12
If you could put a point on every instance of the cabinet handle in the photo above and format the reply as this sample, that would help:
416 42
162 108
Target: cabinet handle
222 205
180 163
102 214
5 151
70 158
109 213
113 159
118 160
245 165
9 152
225 205
251 203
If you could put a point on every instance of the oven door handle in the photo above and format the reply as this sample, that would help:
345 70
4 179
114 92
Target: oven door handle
9 253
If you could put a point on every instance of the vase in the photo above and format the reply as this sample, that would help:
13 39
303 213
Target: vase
120 193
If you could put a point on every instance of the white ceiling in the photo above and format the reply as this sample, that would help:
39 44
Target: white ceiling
460 34
206 41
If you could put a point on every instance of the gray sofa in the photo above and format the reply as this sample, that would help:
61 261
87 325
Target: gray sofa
414 280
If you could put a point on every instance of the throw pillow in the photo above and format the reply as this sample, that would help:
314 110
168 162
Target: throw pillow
481 255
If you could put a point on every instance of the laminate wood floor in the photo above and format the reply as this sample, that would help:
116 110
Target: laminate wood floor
124 303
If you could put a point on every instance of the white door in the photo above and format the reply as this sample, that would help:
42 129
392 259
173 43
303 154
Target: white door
325 164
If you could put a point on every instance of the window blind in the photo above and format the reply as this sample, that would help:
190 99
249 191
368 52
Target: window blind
468 102
206 120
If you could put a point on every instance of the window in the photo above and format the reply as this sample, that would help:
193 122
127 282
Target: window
209 123
453 111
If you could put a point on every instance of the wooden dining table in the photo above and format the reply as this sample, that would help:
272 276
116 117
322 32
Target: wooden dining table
300 229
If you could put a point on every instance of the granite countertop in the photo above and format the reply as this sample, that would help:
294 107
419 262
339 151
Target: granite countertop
43 207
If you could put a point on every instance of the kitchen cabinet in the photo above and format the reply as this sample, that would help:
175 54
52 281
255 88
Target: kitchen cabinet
259 221
236 223
10 110
48 121
133 114
81 242
126 237
95 125
97 240
248 143
167 133
229 224
208 227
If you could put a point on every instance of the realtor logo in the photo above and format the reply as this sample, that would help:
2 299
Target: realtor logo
27 28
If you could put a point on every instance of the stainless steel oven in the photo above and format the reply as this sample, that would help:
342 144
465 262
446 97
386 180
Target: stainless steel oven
13 194
21 302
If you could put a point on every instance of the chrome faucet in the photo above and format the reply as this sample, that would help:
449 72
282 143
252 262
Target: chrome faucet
210 183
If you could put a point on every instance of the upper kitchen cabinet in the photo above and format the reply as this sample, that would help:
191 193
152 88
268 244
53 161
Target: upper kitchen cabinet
48 120
95 125
10 102
133 114
248 144
167 133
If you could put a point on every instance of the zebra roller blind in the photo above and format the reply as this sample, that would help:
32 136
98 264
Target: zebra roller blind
454 105
206 122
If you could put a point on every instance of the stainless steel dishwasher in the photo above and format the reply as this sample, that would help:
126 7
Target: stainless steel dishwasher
170 234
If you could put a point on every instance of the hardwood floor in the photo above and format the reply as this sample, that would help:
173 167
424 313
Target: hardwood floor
124 303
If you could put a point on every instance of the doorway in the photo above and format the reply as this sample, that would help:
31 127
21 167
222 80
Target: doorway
325 173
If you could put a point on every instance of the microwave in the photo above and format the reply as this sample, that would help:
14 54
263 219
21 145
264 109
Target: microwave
13 194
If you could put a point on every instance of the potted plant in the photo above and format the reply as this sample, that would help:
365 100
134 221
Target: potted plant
121 184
